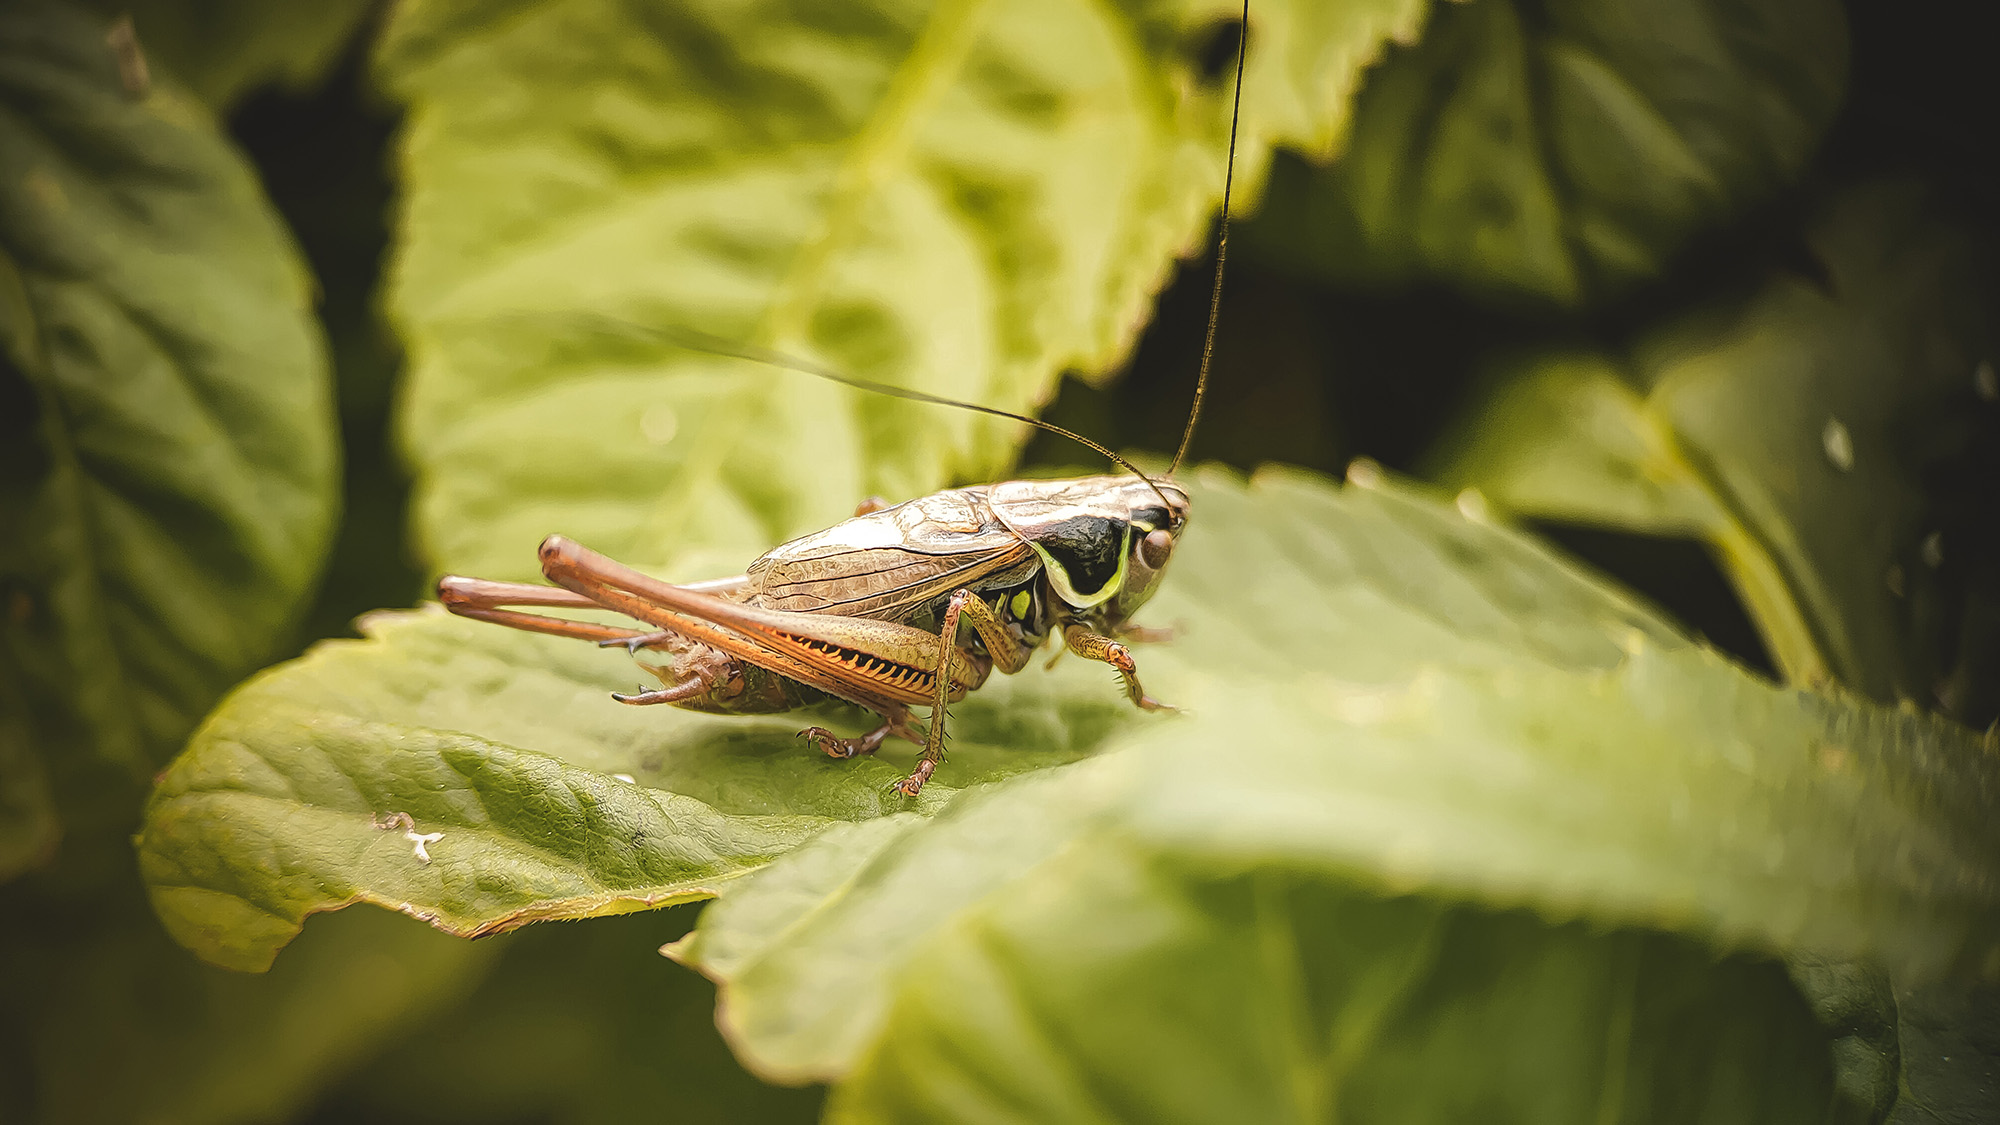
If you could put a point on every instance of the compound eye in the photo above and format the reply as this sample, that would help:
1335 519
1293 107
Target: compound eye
1154 549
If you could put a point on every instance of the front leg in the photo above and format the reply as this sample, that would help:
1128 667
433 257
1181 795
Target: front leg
1096 646
1008 653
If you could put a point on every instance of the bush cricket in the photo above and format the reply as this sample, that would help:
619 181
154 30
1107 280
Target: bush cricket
911 605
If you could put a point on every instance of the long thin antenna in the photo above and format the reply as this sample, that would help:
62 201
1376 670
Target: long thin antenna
695 340
1221 246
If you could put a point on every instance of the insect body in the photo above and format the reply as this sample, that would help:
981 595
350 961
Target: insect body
911 605
900 607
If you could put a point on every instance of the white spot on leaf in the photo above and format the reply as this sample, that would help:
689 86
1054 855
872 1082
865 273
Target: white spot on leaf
420 843
1472 505
659 424
1839 444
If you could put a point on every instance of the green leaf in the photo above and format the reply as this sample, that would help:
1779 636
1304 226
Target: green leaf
809 959
29 826
1114 988
1950 1054
310 787
108 1020
1801 433
169 482
1448 708
224 49
1394 695
968 198
1564 150
1856 1003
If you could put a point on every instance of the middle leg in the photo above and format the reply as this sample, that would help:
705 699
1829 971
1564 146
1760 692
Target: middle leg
1008 653
838 747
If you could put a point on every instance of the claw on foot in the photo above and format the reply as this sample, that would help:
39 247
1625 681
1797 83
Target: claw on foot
632 645
838 747
834 745
914 784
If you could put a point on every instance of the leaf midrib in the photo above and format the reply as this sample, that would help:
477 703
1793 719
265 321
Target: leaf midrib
117 728
884 139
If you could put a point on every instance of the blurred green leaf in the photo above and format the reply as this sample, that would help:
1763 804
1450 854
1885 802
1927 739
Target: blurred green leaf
1855 1002
809 958
1565 149
309 788
966 198
1798 432
223 49
170 482
113 1022
1117 989
522 1048
1950 1054
1446 709
29 826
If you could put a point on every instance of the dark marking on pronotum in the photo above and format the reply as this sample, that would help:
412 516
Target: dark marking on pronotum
1086 547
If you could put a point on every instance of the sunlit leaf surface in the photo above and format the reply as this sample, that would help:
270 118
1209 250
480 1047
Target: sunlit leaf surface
964 197
312 787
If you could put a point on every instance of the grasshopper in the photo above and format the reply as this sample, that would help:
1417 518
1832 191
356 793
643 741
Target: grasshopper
911 605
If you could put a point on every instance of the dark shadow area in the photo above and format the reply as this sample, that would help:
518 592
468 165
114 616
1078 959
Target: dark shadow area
325 158
1679 576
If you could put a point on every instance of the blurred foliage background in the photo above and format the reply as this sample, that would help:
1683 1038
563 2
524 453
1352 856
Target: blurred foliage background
1510 280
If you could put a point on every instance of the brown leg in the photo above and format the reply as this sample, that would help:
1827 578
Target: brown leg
1095 646
702 671
637 641
483 600
1009 655
838 747
786 644
691 688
